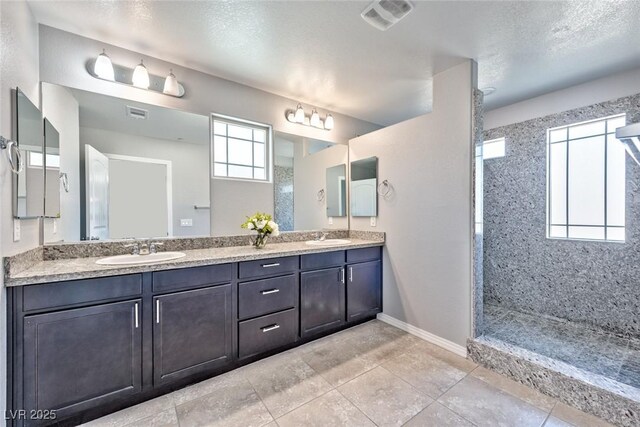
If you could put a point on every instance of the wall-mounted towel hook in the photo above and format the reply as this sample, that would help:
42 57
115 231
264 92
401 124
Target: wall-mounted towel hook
385 189
12 147
320 195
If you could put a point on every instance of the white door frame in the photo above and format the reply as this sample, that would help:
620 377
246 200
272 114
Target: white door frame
167 163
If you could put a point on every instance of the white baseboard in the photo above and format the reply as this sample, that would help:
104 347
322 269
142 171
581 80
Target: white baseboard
421 333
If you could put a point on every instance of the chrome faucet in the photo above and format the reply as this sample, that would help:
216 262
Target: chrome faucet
153 247
321 236
136 248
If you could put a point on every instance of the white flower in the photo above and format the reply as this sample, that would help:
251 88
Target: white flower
275 232
272 225
260 224
250 226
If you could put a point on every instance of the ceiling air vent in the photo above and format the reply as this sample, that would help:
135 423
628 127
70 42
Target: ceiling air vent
137 113
382 14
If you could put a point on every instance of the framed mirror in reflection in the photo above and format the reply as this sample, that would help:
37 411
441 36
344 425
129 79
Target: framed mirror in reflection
364 185
28 185
305 168
142 170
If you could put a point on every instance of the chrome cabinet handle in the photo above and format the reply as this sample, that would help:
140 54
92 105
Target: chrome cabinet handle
157 311
351 274
270 291
342 275
270 328
275 264
135 308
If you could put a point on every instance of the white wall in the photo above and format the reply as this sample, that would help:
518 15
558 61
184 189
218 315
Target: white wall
190 170
18 67
62 110
600 90
233 200
309 176
428 219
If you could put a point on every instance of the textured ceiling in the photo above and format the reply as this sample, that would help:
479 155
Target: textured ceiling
323 53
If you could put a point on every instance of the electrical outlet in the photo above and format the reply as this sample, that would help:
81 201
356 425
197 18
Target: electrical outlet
16 230
330 220
186 222
55 226
373 221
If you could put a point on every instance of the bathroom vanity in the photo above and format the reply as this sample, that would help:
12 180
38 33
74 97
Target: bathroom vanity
113 337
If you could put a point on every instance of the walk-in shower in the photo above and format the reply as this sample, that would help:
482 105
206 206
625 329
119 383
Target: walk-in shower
630 137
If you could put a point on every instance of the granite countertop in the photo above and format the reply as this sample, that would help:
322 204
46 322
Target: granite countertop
85 268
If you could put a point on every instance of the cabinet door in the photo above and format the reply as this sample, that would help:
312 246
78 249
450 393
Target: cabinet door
81 358
364 290
321 300
191 332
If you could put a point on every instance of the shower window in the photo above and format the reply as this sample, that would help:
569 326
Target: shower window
586 181
240 149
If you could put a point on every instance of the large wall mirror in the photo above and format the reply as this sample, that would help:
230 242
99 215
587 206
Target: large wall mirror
142 170
309 183
364 187
28 185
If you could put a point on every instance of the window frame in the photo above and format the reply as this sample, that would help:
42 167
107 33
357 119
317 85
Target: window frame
605 226
502 140
268 161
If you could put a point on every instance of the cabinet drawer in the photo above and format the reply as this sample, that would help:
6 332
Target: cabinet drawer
363 255
268 267
266 296
322 260
266 333
193 277
54 295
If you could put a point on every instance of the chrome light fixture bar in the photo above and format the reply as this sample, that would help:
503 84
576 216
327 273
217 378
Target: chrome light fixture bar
630 136
99 68
298 116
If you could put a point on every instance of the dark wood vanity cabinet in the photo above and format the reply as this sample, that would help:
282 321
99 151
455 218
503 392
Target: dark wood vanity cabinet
192 332
80 358
85 348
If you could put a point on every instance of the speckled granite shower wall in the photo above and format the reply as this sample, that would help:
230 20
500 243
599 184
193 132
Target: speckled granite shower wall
597 283
283 182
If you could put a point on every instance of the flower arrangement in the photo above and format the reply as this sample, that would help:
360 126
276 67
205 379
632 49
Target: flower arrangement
264 225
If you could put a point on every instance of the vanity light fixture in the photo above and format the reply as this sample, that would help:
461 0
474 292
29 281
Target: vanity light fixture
103 67
297 116
171 85
140 76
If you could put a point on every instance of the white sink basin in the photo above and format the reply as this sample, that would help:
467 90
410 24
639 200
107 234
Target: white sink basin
328 242
140 259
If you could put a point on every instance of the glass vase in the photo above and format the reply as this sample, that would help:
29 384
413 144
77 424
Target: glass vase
260 240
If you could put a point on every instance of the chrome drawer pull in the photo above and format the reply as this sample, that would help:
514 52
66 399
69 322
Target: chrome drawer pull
157 311
136 314
270 328
342 275
275 264
351 274
270 291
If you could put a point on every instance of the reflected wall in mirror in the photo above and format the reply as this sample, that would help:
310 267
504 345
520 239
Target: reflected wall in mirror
336 191
364 185
300 171
53 177
28 185
143 170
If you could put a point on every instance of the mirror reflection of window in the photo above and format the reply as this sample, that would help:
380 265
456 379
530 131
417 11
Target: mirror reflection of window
364 184
336 192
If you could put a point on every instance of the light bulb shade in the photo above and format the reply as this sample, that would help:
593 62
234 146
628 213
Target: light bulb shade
140 76
299 114
315 119
171 85
103 67
328 122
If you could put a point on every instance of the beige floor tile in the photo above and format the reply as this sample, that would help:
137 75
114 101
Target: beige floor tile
428 374
462 363
337 363
287 384
556 422
207 386
384 398
485 405
235 404
331 409
134 413
437 415
167 418
514 388
576 417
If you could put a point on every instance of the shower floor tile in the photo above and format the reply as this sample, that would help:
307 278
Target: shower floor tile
591 350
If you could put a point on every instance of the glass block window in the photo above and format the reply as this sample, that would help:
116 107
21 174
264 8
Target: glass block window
240 149
586 181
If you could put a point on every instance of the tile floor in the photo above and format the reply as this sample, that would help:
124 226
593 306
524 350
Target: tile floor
373 374
594 351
